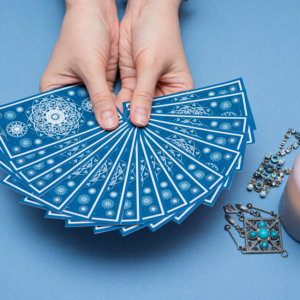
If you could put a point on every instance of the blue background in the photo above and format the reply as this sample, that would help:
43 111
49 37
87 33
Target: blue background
224 40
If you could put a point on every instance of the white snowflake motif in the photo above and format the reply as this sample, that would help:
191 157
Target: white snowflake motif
214 104
107 203
194 190
232 140
50 161
206 150
225 105
37 141
166 194
19 109
113 194
158 111
25 142
16 129
227 156
30 172
153 209
92 191
210 177
48 176
147 200
110 213
211 94
83 199
39 166
71 93
235 100
82 92
87 105
220 141
129 194
83 208
54 117
225 126
236 124
30 156
20 161
58 170
215 156
214 124
191 167
232 88
71 184
209 137
60 190
10 115
42 152
199 174
90 123
179 176
174 201
163 184
16 149
127 204
56 199
146 190
129 213
40 183
184 185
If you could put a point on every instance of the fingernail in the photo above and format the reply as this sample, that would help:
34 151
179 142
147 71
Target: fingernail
141 116
108 119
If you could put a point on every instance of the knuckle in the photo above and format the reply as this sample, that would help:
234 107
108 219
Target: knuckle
145 97
101 100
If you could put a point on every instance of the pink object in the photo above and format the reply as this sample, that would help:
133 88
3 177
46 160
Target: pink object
289 206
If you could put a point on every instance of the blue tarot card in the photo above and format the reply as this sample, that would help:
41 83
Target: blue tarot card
42 121
131 229
190 187
29 202
59 197
131 206
171 196
102 198
156 225
52 176
53 215
219 158
101 229
207 177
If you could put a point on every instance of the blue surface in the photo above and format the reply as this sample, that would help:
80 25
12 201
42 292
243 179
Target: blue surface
40 259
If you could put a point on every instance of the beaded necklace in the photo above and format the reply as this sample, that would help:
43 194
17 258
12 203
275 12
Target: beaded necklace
270 172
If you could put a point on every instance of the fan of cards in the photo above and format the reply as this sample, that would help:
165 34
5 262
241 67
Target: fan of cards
61 161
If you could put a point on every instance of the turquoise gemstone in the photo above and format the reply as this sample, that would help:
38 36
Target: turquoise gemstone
262 224
263 233
253 234
274 234
260 168
264 245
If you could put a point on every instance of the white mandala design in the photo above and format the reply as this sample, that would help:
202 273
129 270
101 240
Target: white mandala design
146 190
42 152
209 137
107 203
58 170
206 150
163 184
220 141
50 161
225 105
210 177
54 117
56 199
194 190
153 209
30 173
40 183
39 166
214 124
214 104
92 191
37 141
191 167
184 185
87 105
225 126
71 183
19 109
129 194
60 190
110 213
147 200
174 201
16 129
71 93
30 156
166 194
199 174
227 156
25 142
20 161
82 92
113 194
48 176
215 156
83 199
179 176
235 100
90 123
236 124
10 115
211 94
16 149
83 208
232 140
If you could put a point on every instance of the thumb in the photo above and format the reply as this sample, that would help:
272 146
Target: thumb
141 103
102 99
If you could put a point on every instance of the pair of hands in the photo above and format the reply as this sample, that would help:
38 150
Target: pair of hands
146 44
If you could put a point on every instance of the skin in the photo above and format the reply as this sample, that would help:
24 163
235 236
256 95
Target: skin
147 45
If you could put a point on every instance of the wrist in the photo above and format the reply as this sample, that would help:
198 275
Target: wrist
170 5
88 3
